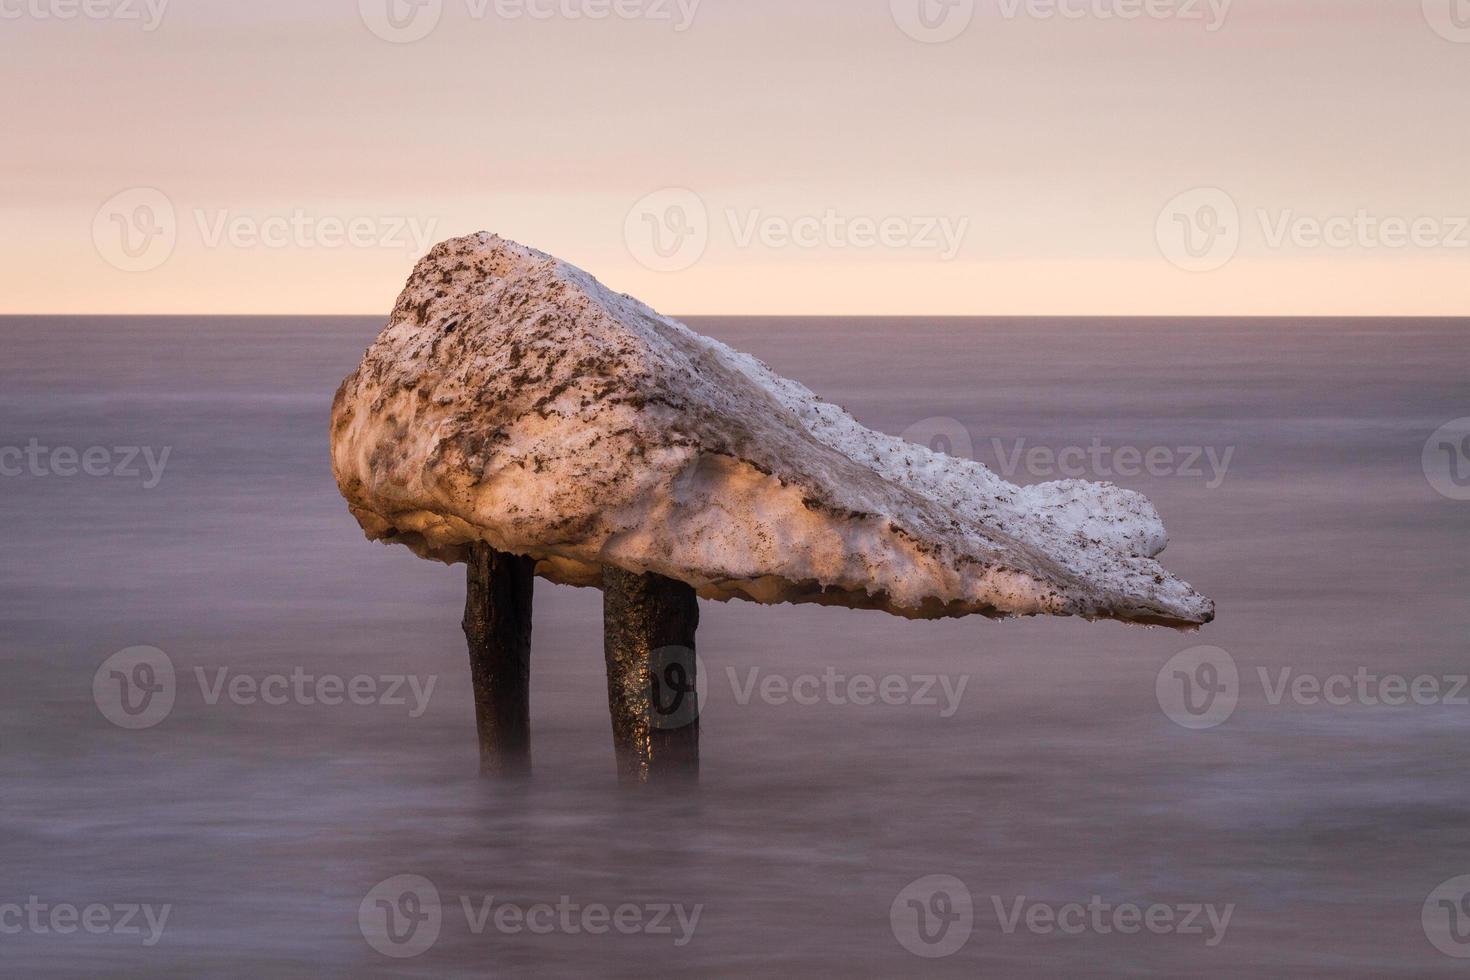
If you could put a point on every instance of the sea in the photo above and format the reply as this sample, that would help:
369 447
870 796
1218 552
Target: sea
290 789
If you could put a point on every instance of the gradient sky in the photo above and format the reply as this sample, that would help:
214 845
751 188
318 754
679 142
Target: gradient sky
1056 144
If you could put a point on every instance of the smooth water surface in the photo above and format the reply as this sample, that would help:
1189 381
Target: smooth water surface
1055 775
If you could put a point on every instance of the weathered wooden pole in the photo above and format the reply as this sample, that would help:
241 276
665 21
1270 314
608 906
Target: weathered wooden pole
649 624
497 624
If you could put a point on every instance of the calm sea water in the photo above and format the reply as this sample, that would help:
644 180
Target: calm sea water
1057 775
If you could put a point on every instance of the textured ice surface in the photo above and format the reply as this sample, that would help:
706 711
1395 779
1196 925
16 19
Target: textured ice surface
514 399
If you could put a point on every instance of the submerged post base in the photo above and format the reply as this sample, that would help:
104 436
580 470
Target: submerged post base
649 624
497 624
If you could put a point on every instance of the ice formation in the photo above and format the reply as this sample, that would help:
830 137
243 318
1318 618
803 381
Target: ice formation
513 399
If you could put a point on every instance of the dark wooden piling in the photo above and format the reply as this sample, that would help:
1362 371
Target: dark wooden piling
649 624
497 624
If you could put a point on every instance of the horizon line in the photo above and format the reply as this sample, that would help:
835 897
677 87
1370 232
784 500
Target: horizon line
824 316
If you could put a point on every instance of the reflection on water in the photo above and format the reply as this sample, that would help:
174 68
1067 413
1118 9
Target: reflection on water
1030 761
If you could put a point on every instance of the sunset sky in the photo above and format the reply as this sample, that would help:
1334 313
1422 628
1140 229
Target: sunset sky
744 156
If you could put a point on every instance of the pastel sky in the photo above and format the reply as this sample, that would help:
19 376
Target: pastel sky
743 156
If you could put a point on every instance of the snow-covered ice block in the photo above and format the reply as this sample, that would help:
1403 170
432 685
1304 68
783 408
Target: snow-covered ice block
515 400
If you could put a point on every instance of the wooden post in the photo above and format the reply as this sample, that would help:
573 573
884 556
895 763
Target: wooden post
497 624
649 624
